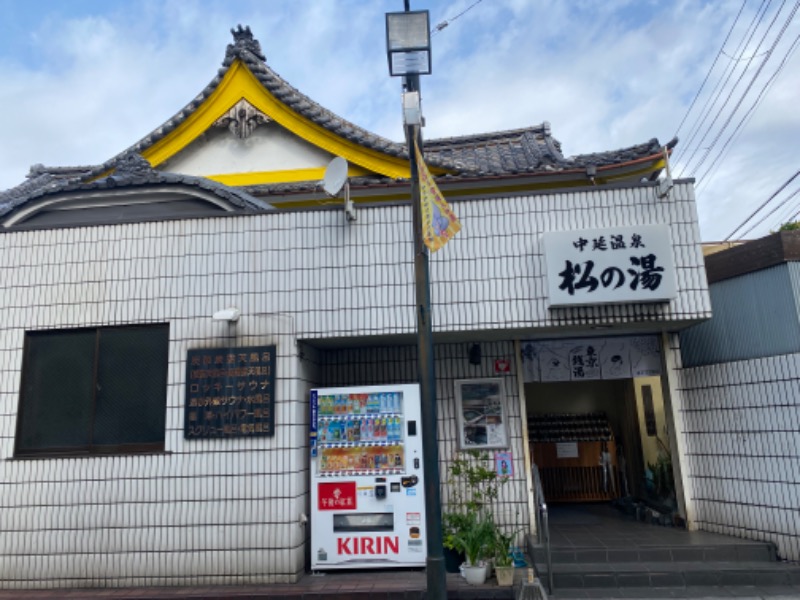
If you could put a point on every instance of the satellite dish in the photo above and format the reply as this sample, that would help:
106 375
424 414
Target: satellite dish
335 176
335 179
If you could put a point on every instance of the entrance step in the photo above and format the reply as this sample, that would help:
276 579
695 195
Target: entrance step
742 563
595 546
673 574
744 551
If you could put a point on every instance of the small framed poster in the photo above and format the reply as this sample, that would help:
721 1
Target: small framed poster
481 414
503 464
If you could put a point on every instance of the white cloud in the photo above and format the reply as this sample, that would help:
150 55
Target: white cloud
78 90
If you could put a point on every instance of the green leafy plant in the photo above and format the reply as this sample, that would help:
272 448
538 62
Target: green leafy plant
502 547
468 523
473 482
475 539
663 477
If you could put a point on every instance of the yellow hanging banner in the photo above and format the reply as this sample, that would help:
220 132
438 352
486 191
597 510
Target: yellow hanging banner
439 222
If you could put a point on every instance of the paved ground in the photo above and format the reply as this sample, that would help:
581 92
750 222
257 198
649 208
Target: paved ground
393 585
698 593
576 531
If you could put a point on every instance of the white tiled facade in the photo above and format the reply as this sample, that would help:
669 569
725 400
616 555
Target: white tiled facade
229 511
742 453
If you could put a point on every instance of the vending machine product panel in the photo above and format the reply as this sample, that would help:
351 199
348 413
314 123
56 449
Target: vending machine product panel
367 487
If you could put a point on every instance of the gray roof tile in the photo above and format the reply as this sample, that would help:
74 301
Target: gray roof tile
130 170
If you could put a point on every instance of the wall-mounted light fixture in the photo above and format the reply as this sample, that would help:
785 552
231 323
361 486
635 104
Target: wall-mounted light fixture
231 314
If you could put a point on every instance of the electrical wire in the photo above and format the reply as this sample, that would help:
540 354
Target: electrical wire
764 218
711 68
793 218
752 80
767 201
728 98
746 118
787 216
716 93
446 22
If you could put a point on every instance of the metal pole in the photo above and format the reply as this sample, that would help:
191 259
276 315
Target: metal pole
437 582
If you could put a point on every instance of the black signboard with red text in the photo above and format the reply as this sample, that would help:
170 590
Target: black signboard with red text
230 393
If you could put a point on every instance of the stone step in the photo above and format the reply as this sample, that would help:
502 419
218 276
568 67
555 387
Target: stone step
744 551
674 574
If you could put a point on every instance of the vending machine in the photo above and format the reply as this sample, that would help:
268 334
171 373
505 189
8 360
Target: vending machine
367 488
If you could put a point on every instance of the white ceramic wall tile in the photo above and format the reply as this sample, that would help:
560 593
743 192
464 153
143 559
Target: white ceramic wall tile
349 281
744 451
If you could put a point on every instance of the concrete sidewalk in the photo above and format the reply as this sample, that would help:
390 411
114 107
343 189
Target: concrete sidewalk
394 585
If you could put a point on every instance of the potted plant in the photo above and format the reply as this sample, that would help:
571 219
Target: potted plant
475 539
503 559
472 485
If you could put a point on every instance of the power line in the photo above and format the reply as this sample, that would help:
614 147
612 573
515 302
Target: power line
729 97
793 219
789 215
750 112
767 201
715 94
764 218
753 79
716 58
446 22
741 59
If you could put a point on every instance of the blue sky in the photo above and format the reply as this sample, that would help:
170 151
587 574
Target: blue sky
84 79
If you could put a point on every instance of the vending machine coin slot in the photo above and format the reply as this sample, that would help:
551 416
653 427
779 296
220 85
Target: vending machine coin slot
416 463
409 481
380 492
395 486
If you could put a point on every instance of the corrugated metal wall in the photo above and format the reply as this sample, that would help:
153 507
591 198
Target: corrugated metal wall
755 315
793 269
742 448
227 511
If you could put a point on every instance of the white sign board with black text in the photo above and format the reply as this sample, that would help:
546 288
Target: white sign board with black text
610 265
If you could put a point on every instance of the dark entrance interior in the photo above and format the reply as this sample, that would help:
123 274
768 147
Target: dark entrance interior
600 441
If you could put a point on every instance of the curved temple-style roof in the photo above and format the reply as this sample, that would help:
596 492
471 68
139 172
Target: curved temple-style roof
531 153
132 175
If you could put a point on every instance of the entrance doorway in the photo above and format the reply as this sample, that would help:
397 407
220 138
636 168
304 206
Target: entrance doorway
601 440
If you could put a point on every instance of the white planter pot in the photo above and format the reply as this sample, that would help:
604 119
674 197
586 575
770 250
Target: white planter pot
475 575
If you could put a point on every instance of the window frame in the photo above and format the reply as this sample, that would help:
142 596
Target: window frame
91 448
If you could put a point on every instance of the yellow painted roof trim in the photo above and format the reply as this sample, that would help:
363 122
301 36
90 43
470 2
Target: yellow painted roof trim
239 83
473 191
287 176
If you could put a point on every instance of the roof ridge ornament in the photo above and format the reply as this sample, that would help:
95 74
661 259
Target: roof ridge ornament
243 40
242 119
132 163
